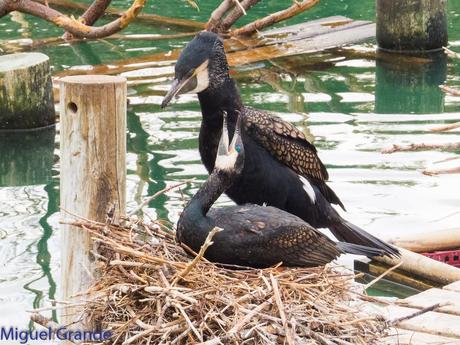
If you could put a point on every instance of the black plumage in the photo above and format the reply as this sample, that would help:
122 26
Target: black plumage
253 235
283 169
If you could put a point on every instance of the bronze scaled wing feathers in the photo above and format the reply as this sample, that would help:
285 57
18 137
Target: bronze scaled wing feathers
290 146
287 143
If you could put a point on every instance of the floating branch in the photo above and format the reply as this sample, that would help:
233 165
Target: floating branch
450 90
455 170
421 147
451 53
446 127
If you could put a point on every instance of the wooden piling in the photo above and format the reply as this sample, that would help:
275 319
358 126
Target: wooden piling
93 172
26 97
411 25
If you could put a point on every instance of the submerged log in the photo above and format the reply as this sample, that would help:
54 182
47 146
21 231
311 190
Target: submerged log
26 98
411 25
93 172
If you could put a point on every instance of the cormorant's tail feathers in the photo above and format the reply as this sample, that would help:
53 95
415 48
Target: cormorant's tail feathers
357 249
350 233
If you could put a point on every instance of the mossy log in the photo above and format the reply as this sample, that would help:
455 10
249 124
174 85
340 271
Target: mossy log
26 98
411 25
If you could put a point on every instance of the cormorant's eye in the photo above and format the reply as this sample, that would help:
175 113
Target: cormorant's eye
238 148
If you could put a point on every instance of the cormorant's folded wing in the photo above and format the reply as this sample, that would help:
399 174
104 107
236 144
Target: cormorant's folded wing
290 146
300 245
286 142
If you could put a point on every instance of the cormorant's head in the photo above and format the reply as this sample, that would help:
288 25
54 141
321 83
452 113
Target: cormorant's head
202 64
230 157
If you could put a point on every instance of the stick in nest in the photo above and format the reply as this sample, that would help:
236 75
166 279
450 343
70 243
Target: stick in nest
200 255
167 189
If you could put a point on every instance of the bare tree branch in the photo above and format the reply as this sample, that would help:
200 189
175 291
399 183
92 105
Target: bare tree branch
150 18
422 147
217 15
237 13
95 11
74 26
276 17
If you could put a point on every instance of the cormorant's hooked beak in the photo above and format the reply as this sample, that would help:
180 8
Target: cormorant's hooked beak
176 86
222 149
237 135
195 81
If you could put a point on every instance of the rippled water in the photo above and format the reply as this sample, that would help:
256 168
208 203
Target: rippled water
351 107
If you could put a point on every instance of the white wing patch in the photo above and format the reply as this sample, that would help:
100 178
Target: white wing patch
307 187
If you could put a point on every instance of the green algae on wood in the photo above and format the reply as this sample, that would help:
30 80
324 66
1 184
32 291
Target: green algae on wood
26 98
411 25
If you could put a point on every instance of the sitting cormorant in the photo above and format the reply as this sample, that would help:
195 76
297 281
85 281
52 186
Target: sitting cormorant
255 236
283 169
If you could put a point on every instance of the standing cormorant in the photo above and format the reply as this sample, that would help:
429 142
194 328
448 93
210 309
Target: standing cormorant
283 169
254 236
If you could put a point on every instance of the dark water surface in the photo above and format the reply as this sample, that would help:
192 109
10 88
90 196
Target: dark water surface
351 107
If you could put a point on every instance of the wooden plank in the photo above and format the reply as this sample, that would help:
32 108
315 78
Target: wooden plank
433 296
310 29
243 51
436 323
405 337
304 46
455 286
327 21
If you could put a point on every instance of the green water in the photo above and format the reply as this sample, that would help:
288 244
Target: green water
352 107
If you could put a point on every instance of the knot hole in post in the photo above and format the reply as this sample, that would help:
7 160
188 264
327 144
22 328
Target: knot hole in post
72 107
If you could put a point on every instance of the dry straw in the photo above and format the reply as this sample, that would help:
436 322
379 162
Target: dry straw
151 291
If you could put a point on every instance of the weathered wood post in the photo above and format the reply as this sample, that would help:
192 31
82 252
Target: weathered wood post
26 97
411 25
93 171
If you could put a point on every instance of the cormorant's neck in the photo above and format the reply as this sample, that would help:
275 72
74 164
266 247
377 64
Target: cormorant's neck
215 99
214 186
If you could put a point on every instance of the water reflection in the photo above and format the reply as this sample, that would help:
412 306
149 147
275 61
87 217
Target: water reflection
410 87
26 157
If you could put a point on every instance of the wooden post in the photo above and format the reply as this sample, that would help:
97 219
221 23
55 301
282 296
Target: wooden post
26 97
411 25
93 171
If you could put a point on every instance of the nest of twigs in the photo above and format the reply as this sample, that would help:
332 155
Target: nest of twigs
151 291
